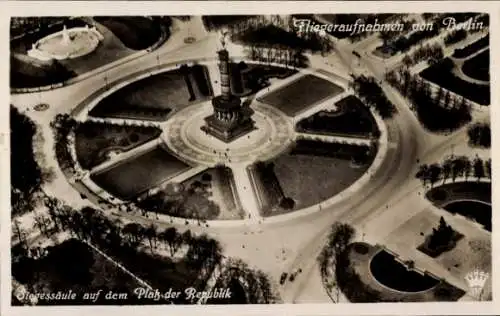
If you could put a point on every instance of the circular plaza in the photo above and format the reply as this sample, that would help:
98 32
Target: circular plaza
273 133
303 145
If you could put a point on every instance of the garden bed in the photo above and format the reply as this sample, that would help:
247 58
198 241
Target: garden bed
128 179
436 251
248 78
205 196
156 96
301 94
351 118
306 176
134 31
94 141
469 199
441 74
310 179
25 73
476 211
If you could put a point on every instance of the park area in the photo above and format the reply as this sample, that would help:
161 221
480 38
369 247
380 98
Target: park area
29 72
96 142
130 178
471 251
154 97
72 265
304 176
375 274
442 75
161 272
301 94
135 32
473 62
210 195
350 118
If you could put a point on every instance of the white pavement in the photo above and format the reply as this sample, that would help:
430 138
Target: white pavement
122 156
246 191
334 139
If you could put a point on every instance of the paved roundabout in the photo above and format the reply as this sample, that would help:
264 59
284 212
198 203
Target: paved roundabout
273 136
182 134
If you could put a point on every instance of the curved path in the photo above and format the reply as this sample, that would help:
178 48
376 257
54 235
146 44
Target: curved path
459 71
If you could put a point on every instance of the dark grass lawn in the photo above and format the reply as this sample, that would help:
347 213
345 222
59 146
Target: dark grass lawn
449 192
352 118
74 266
309 179
478 67
27 74
130 178
441 74
301 94
472 48
134 31
476 211
154 97
469 199
308 173
94 141
250 78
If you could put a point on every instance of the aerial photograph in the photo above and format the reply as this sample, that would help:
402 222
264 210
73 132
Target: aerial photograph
250 159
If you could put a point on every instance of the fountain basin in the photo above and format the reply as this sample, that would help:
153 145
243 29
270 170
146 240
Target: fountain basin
66 44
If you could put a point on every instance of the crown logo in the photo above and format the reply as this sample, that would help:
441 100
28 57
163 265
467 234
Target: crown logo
476 280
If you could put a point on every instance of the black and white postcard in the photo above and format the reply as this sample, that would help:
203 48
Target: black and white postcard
318 156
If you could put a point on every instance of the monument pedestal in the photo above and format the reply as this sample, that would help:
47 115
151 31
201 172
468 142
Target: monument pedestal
230 120
224 132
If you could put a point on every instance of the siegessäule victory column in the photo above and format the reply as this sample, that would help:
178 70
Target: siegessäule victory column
230 120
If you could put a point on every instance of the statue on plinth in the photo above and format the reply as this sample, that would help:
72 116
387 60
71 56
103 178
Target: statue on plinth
66 39
230 120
